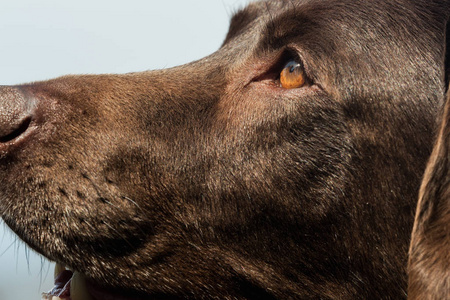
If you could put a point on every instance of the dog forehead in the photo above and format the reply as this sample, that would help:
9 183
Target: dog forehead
271 24
269 14
328 24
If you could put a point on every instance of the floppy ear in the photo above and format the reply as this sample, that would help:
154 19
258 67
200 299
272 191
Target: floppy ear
429 254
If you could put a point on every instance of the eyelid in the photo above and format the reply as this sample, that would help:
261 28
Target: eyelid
271 65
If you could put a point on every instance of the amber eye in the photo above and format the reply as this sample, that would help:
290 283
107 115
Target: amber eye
292 75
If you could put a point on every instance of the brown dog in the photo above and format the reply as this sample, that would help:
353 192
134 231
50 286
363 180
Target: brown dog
285 165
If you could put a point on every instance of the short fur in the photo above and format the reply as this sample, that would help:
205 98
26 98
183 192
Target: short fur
210 181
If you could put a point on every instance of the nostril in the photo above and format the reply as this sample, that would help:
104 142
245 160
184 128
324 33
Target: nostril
15 132
16 113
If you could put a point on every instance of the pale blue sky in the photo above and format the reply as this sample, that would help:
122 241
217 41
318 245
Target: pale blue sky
48 38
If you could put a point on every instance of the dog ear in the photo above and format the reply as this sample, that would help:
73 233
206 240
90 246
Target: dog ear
447 54
429 254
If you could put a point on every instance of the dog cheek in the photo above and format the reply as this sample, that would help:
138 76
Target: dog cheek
290 156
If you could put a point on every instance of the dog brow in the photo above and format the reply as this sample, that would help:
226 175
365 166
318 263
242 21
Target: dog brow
288 26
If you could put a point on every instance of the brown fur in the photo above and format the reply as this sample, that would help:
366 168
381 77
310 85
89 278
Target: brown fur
210 181
429 262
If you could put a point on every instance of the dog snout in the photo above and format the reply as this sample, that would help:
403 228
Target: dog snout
16 113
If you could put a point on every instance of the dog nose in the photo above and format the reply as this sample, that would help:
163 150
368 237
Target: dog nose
16 112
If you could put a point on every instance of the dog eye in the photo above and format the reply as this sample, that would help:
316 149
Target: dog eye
292 75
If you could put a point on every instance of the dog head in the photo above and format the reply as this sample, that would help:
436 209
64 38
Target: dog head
286 164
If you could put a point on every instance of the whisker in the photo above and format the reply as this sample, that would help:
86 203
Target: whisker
6 250
27 257
132 201
41 271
